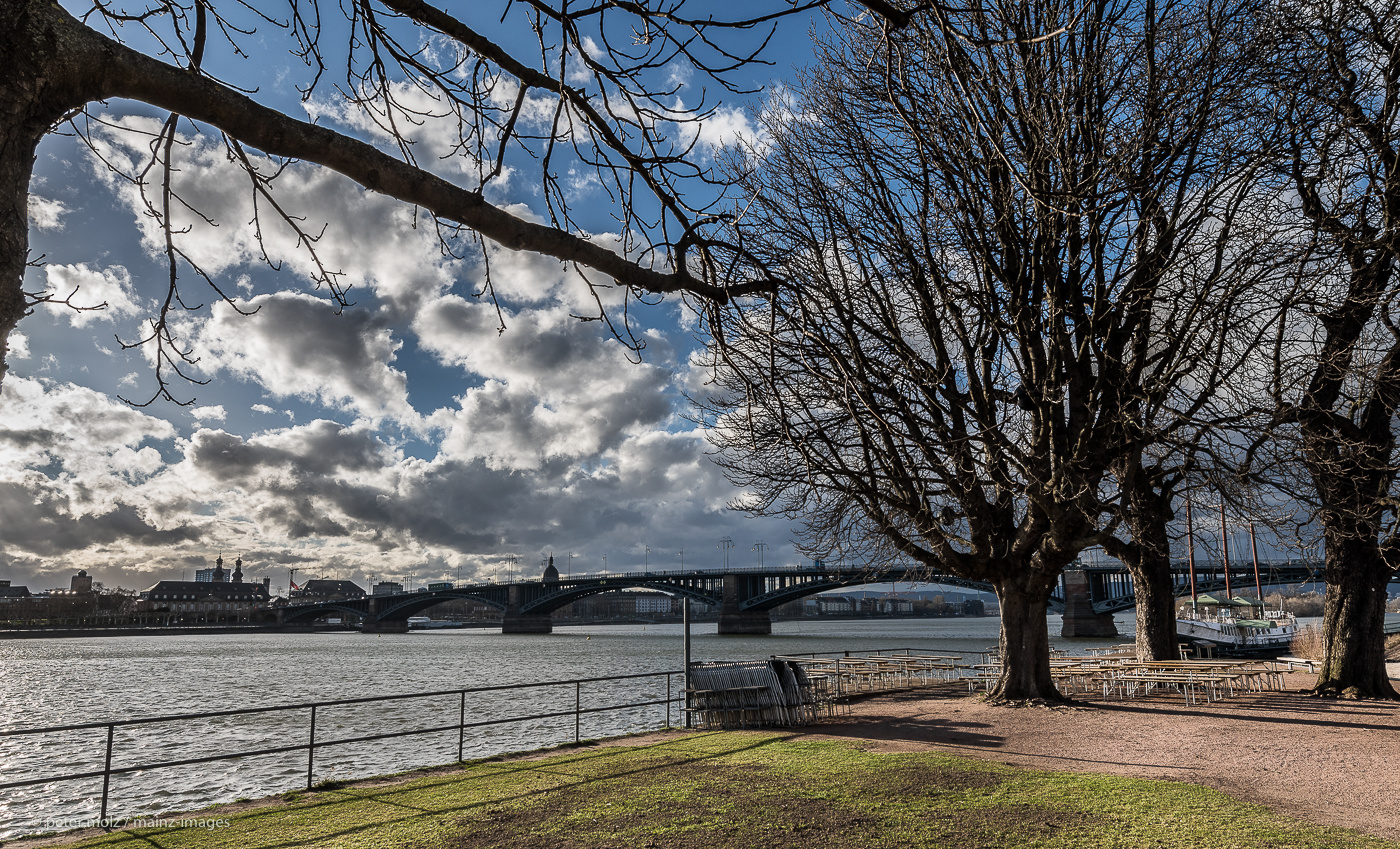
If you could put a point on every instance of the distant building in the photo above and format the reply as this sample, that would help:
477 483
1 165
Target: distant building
9 593
218 575
653 603
81 582
835 604
551 575
205 597
388 588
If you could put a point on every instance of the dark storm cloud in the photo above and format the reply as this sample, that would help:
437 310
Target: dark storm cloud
315 450
42 523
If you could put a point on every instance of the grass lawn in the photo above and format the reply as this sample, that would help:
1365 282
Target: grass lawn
749 790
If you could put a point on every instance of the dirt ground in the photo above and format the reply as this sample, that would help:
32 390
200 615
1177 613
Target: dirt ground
1328 762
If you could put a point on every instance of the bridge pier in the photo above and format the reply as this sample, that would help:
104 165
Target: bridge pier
515 623
1080 619
384 626
733 619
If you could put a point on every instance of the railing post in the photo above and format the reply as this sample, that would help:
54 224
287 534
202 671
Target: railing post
311 748
106 777
461 725
578 689
668 701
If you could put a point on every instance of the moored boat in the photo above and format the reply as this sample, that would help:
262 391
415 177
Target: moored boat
1235 626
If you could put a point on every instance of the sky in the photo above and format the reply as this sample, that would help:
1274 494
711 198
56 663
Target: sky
401 438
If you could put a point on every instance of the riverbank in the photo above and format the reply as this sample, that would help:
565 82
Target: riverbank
933 768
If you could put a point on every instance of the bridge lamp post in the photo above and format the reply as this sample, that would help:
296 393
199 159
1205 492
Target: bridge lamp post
682 559
570 567
725 544
759 546
646 558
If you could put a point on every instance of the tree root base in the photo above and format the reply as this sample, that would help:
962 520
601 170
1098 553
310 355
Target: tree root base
1058 702
1351 692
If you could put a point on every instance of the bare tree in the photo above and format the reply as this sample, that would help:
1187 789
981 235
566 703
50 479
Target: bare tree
1337 351
589 87
984 246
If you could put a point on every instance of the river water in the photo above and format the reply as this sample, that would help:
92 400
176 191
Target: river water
52 682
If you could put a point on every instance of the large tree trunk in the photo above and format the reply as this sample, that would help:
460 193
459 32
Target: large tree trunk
42 80
1025 643
1156 608
1149 562
17 146
1148 558
1353 666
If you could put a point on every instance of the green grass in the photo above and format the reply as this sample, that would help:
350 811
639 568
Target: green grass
739 790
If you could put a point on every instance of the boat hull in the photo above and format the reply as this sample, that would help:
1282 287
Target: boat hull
1236 641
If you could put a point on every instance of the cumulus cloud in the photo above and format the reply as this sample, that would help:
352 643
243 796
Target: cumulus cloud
46 213
213 413
370 240
18 346
72 463
301 346
91 294
554 389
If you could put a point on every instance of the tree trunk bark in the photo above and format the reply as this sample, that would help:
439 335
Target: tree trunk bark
17 146
1156 608
41 82
1148 558
1025 644
1353 625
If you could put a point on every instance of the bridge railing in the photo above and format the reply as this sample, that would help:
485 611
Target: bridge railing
313 744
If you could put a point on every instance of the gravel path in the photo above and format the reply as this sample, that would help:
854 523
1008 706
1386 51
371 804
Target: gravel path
1329 762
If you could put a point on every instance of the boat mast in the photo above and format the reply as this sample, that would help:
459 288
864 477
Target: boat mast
1191 554
1225 550
1254 549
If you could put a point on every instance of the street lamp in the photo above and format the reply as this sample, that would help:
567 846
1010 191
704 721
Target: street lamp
759 546
725 544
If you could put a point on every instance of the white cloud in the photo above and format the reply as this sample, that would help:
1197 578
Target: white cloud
298 346
18 345
46 214
91 294
555 389
214 413
262 408
372 240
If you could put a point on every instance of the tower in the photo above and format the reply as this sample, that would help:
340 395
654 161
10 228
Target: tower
219 575
238 571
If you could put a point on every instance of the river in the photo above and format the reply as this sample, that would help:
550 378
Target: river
47 682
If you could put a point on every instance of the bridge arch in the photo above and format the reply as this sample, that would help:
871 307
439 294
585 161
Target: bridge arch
551 601
402 608
305 614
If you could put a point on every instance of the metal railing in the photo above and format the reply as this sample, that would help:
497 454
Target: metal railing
312 743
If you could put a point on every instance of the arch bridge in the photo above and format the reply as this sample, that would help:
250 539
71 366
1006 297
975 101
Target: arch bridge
1088 596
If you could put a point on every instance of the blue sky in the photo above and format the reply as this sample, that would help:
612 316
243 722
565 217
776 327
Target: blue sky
403 437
